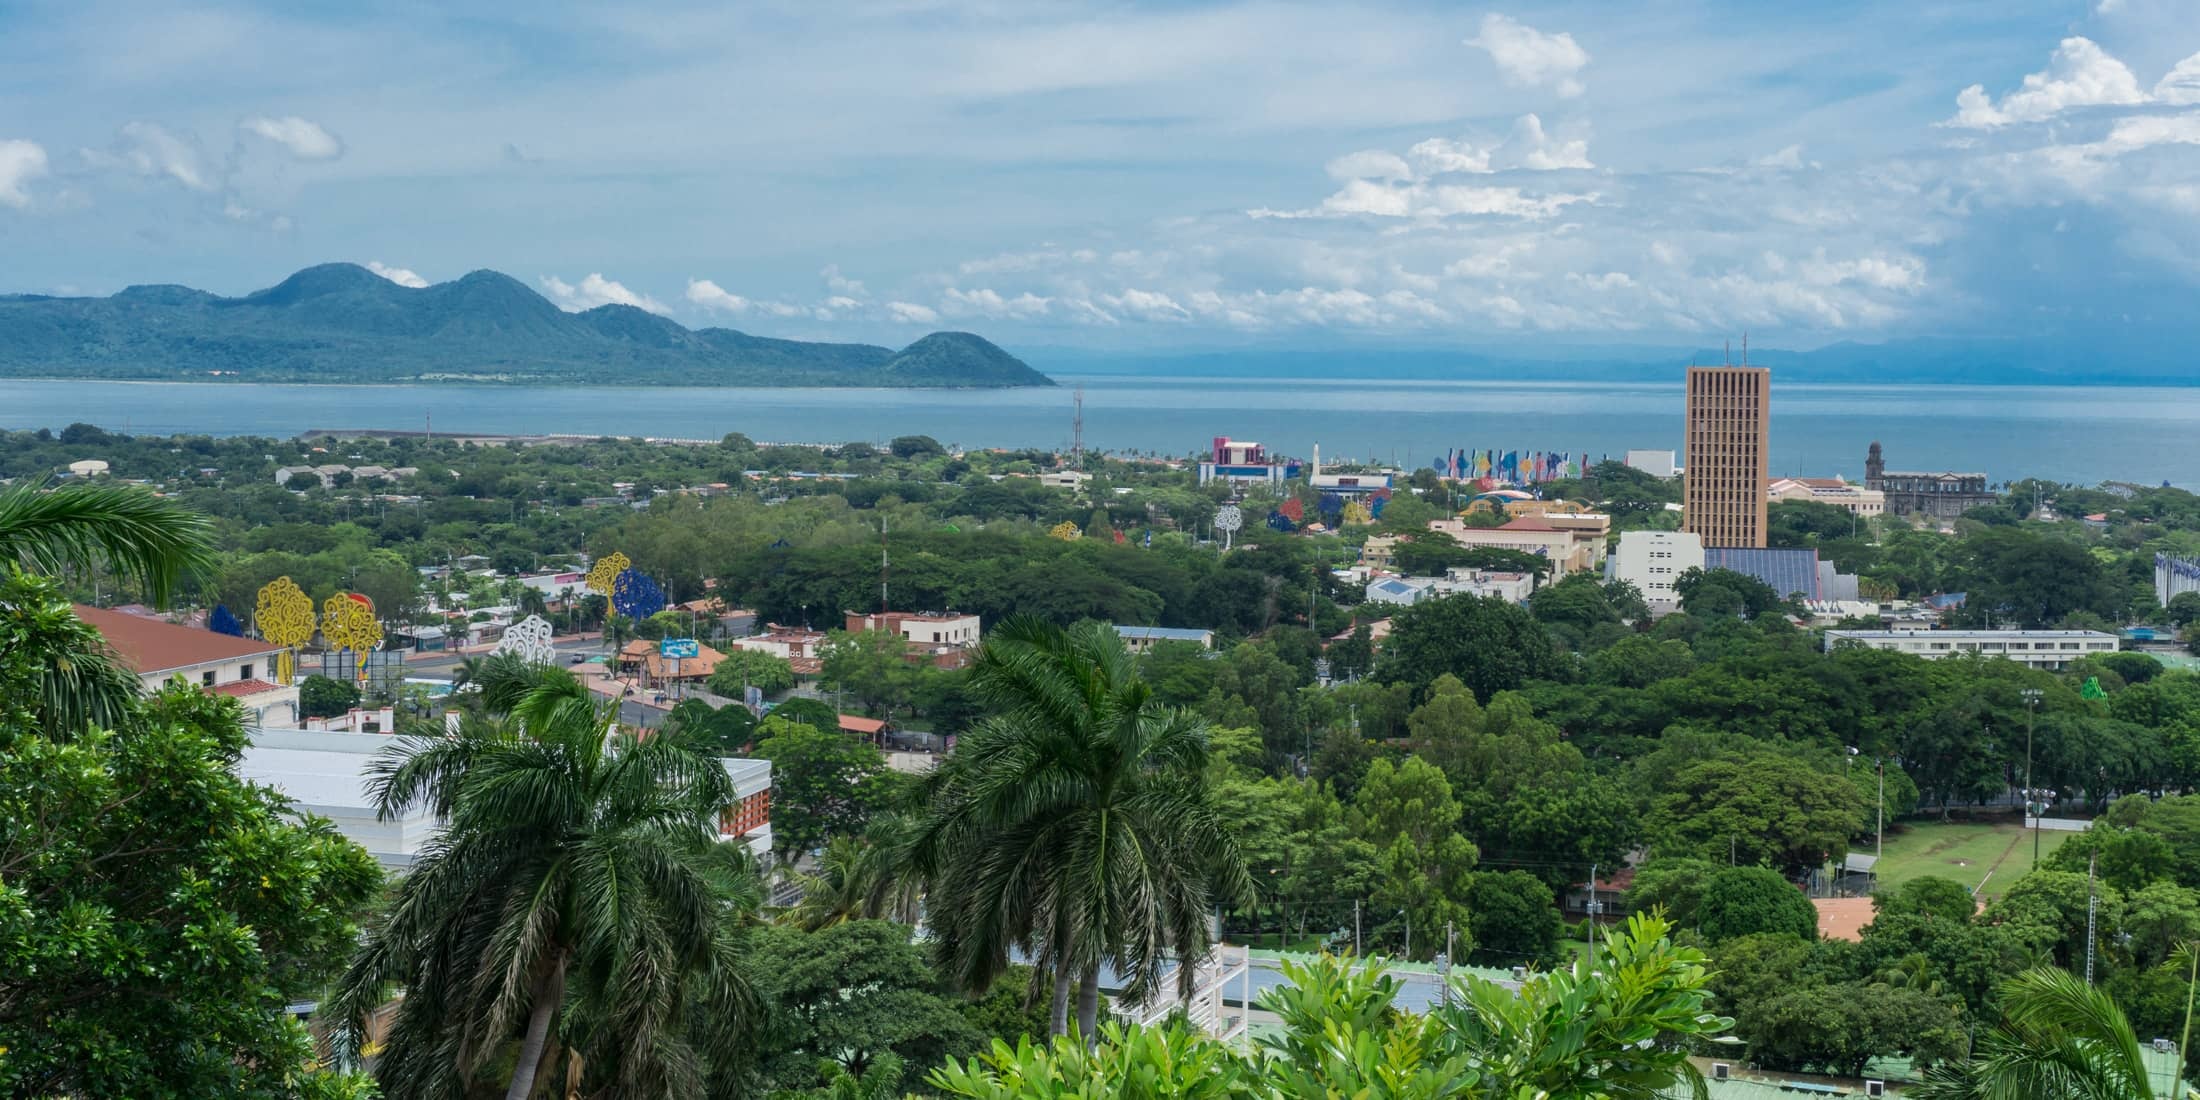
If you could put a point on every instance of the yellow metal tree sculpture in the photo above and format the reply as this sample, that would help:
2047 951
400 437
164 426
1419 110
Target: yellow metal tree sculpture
348 622
284 616
604 575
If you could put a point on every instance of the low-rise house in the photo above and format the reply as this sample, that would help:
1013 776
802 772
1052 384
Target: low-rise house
1571 542
1139 639
221 664
88 467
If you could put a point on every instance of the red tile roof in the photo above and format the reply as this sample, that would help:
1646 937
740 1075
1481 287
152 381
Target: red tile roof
849 723
242 688
1529 523
150 646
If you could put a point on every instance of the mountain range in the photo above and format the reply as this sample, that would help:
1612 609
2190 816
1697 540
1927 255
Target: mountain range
344 323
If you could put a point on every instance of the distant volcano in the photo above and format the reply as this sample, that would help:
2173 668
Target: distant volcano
343 323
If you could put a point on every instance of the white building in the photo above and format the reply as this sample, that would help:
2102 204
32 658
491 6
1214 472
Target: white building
220 664
1654 463
954 631
1652 561
326 774
1072 480
2048 649
1510 587
88 467
1139 639
1855 499
1407 591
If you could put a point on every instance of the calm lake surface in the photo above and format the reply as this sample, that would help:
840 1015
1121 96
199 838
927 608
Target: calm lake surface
2073 434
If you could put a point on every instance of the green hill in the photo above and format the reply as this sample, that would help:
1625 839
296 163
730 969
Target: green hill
343 323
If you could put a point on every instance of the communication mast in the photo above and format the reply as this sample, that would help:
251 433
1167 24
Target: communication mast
1077 428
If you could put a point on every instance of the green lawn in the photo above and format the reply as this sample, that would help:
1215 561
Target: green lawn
1968 852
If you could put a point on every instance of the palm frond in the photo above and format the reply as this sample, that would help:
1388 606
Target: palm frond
83 527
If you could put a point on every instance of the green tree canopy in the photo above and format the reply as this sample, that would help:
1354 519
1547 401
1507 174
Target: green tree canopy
158 912
1489 644
1740 901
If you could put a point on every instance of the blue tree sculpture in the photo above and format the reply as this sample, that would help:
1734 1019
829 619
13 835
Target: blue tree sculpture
222 621
635 596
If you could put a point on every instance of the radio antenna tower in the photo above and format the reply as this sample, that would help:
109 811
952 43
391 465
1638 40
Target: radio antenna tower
882 565
1077 427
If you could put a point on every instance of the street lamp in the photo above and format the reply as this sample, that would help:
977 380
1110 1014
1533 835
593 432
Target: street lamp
2031 712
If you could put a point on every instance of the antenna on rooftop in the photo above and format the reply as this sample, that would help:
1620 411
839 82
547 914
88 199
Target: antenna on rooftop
1745 349
1726 353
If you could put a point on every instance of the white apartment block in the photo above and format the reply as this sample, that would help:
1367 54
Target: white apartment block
1652 561
2049 649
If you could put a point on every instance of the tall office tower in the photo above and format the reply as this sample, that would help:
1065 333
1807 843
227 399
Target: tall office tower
1729 412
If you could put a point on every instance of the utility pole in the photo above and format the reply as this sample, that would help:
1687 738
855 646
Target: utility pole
1589 925
1879 837
1409 933
2031 717
1356 953
1445 975
2092 903
882 567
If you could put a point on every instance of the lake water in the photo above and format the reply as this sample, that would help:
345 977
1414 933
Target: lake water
2077 434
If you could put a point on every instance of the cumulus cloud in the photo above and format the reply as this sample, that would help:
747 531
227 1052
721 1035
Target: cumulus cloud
1146 305
1373 164
1437 156
151 150
301 138
912 313
1530 58
710 295
2180 87
2080 74
595 290
400 275
20 163
1533 149
986 302
839 284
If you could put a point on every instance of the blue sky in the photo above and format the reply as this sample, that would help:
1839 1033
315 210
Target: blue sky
1123 175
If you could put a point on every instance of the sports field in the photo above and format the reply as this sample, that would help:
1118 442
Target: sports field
1971 853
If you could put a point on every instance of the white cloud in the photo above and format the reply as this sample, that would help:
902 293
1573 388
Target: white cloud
985 302
150 150
20 163
2180 87
303 139
1146 305
1530 58
400 275
2080 74
1533 149
595 290
912 313
1790 157
1371 164
846 287
1431 201
710 295
1437 156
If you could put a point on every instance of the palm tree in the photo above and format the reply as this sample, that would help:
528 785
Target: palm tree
860 878
577 896
2059 1039
1075 825
123 528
